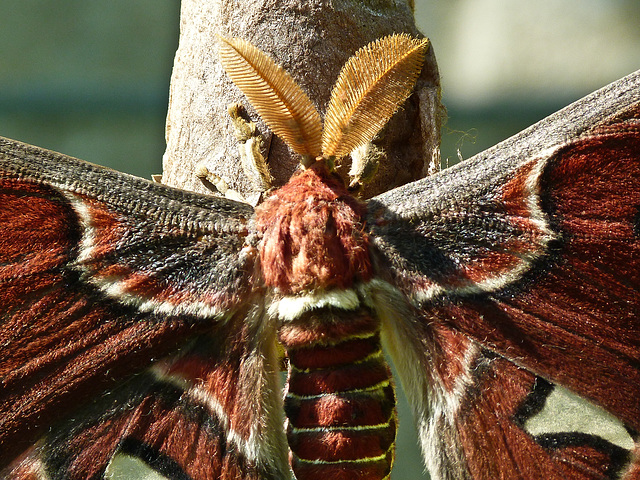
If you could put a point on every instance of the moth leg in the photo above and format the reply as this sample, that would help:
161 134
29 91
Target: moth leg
253 163
250 144
365 161
215 183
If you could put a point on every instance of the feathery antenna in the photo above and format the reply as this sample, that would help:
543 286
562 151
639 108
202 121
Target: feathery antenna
370 87
275 95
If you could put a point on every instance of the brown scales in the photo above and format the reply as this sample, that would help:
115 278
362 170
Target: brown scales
313 235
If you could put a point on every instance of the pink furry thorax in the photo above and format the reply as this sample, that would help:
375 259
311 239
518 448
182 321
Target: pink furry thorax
313 235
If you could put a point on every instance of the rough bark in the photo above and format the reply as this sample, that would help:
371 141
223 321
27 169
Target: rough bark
311 39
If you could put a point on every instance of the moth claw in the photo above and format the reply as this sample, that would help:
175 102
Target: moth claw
215 183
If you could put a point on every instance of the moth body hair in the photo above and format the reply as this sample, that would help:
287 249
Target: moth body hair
291 307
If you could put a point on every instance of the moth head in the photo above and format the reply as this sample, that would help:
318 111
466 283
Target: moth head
371 86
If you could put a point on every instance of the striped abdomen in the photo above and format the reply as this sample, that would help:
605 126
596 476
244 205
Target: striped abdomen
340 400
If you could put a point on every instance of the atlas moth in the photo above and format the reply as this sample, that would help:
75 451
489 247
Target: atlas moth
142 325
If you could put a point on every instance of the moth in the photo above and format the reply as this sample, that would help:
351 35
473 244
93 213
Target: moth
142 327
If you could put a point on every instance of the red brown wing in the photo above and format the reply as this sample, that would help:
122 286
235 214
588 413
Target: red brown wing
123 329
210 411
531 252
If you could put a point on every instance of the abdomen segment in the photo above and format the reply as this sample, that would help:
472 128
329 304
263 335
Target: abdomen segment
340 399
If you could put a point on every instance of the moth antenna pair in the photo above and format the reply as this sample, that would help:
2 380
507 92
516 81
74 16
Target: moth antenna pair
371 86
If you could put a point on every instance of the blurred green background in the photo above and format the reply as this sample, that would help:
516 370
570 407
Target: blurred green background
91 79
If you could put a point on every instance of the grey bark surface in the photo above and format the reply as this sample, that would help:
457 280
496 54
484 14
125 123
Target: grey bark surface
311 39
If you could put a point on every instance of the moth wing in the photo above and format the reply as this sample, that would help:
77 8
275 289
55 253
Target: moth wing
120 299
529 253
